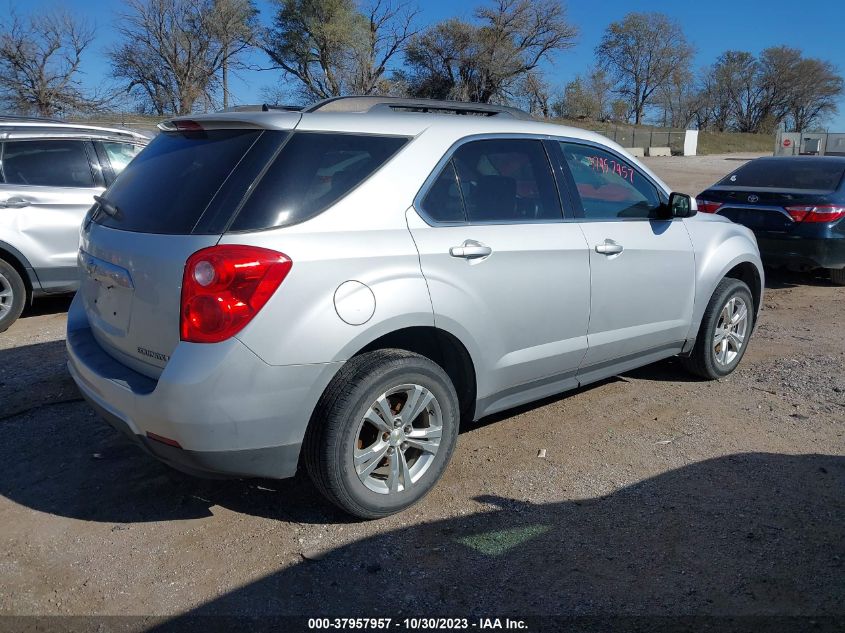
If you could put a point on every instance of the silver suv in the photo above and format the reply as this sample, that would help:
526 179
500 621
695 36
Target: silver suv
49 173
339 287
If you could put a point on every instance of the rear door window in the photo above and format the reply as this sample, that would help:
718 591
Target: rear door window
312 172
47 163
797 173
169 185
507 180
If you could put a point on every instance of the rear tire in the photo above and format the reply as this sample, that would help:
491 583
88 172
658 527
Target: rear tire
361 450
837 276
724 333
12 295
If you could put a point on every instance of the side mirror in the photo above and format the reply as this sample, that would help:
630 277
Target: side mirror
682 205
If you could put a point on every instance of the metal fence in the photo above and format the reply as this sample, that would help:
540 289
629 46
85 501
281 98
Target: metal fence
628 136
810 144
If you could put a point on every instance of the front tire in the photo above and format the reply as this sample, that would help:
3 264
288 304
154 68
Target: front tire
12 295
383 432
837 276
724 333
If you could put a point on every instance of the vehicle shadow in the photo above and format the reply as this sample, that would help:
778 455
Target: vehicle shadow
780 278
59 457
741 535
48 305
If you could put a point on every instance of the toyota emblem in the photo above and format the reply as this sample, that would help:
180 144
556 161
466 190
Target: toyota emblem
753 198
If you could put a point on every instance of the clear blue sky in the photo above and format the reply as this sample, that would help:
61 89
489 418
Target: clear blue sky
815 26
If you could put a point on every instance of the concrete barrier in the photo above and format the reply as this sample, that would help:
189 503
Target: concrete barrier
659 151
639 152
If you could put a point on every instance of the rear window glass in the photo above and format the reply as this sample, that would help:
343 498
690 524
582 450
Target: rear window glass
169 184
312 172
798 173
51 163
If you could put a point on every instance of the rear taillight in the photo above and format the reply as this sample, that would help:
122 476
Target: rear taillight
224 287
819 213
707 206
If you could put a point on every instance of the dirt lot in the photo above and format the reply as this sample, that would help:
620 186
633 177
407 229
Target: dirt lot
658 494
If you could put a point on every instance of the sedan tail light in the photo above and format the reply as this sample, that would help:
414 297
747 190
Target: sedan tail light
707 206
820 213
224 287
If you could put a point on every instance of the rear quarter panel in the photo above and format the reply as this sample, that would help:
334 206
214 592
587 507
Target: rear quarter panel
362 238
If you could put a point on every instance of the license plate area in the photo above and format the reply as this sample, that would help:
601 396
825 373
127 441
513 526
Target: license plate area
107 292
760 219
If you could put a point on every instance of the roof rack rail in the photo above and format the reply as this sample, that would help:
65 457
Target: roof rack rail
263 107
400 104
15 117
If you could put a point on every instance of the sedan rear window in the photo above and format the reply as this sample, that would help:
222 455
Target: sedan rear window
797 173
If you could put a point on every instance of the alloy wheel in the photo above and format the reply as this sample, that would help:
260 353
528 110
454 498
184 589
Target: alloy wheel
398 439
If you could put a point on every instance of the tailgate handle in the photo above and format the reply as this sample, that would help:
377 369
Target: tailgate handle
104 272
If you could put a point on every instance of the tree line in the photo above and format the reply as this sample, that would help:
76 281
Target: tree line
178 56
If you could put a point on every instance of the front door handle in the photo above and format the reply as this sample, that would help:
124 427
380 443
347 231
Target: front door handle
609 247
470 250
15 203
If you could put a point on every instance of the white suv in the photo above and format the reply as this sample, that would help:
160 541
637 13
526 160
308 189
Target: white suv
339 287
49 174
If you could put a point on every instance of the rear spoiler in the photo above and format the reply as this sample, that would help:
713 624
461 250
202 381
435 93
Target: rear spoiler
274 120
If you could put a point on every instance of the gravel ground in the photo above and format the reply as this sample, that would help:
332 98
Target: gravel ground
658 494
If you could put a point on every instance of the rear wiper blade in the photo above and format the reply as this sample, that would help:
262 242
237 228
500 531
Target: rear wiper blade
107 207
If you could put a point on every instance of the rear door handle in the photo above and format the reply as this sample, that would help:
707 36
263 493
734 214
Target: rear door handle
609 247
16 203
470 250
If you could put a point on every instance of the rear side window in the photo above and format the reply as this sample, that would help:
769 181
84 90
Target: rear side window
48 163
119 154
797 173
312 172
506 180
168 186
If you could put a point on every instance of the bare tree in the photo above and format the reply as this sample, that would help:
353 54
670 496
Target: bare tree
40 59
171 53
233 24
332 48
641 52
587 97
678 99
745 93
486 61
814 94
534 95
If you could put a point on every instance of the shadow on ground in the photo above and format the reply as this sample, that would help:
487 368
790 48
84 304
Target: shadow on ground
748 534
48 305
778 278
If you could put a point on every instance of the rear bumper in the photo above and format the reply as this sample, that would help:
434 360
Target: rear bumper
801 252
232 414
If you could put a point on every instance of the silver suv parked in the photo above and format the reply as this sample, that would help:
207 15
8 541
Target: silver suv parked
49 173
339 287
